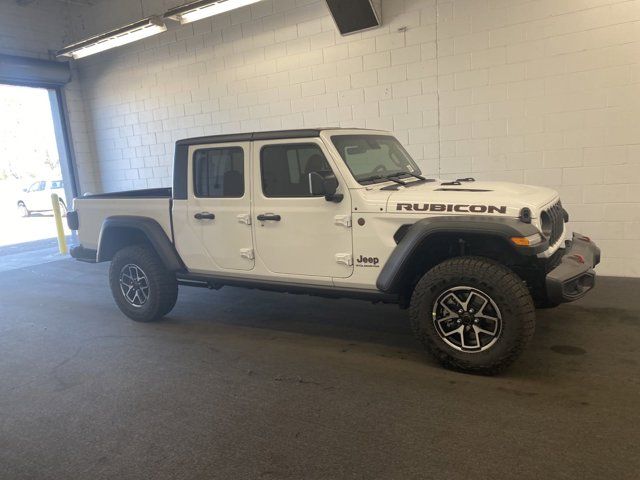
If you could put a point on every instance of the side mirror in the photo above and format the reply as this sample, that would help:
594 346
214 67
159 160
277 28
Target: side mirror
325 183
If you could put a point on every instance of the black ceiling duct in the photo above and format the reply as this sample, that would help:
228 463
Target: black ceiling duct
353 16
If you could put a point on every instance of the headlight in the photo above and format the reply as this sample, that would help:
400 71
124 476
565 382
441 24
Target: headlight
545 224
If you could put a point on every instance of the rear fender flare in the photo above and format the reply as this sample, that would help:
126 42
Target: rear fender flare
147 227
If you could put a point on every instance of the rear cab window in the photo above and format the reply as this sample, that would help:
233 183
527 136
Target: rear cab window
218 172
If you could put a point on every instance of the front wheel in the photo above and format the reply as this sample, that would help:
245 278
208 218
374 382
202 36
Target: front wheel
141 285
472 314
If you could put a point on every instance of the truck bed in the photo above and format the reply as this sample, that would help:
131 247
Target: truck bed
145 193
92 211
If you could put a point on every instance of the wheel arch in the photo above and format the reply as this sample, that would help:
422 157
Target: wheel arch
118 232
424 244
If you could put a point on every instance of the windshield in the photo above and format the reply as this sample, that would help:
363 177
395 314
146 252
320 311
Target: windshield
375 158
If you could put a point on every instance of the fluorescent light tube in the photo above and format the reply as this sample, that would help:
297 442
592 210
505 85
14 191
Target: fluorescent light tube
115 38
194 11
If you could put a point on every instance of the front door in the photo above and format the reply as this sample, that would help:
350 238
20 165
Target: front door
37 198
220 205
297 233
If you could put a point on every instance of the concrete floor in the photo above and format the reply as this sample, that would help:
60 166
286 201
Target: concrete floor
31 254
242 384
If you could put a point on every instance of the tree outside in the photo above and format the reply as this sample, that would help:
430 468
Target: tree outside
28 148
28 153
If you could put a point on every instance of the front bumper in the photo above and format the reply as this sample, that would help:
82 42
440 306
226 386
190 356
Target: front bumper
573 277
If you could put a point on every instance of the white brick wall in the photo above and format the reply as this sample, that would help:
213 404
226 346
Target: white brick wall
554 87
82 137
277 64
543 92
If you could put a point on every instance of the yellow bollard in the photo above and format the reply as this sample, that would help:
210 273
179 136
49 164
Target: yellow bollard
62 241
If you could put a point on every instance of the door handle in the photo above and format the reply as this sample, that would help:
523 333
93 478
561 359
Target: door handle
269 216
204 216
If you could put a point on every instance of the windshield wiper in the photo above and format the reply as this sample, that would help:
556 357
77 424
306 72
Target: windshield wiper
395 177
419 177
391 177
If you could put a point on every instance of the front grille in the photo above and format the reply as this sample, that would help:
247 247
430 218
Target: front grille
556 217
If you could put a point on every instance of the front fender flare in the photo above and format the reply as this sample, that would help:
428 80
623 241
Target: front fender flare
391 277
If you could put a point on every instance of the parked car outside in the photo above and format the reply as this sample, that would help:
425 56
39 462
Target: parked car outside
37 197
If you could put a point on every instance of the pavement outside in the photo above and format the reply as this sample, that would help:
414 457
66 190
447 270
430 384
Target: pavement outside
239 384
15 229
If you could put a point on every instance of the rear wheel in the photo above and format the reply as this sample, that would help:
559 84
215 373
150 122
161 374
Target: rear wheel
472 314
141 285
23 211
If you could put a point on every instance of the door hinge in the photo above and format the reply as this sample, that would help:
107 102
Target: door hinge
344 259
247 253
244 218
344 220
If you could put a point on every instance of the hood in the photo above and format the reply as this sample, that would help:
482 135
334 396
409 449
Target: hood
490 198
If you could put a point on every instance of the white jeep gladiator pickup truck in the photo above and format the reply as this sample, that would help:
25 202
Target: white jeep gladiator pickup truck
343 213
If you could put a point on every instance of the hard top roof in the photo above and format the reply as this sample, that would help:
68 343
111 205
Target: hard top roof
247 137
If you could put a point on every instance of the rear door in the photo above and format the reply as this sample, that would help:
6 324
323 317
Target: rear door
297 233
219 205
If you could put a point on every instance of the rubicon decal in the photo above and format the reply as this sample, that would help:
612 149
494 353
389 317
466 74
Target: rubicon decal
442 207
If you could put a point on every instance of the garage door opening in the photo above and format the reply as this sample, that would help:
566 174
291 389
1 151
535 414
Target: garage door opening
30 171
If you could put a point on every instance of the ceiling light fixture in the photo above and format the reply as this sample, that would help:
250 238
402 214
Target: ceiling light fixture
194 11
115 38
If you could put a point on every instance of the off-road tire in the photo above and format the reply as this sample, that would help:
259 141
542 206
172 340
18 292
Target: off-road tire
502 285
163 286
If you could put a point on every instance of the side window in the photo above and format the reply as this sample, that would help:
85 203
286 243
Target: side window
37 187
219 172
285 169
